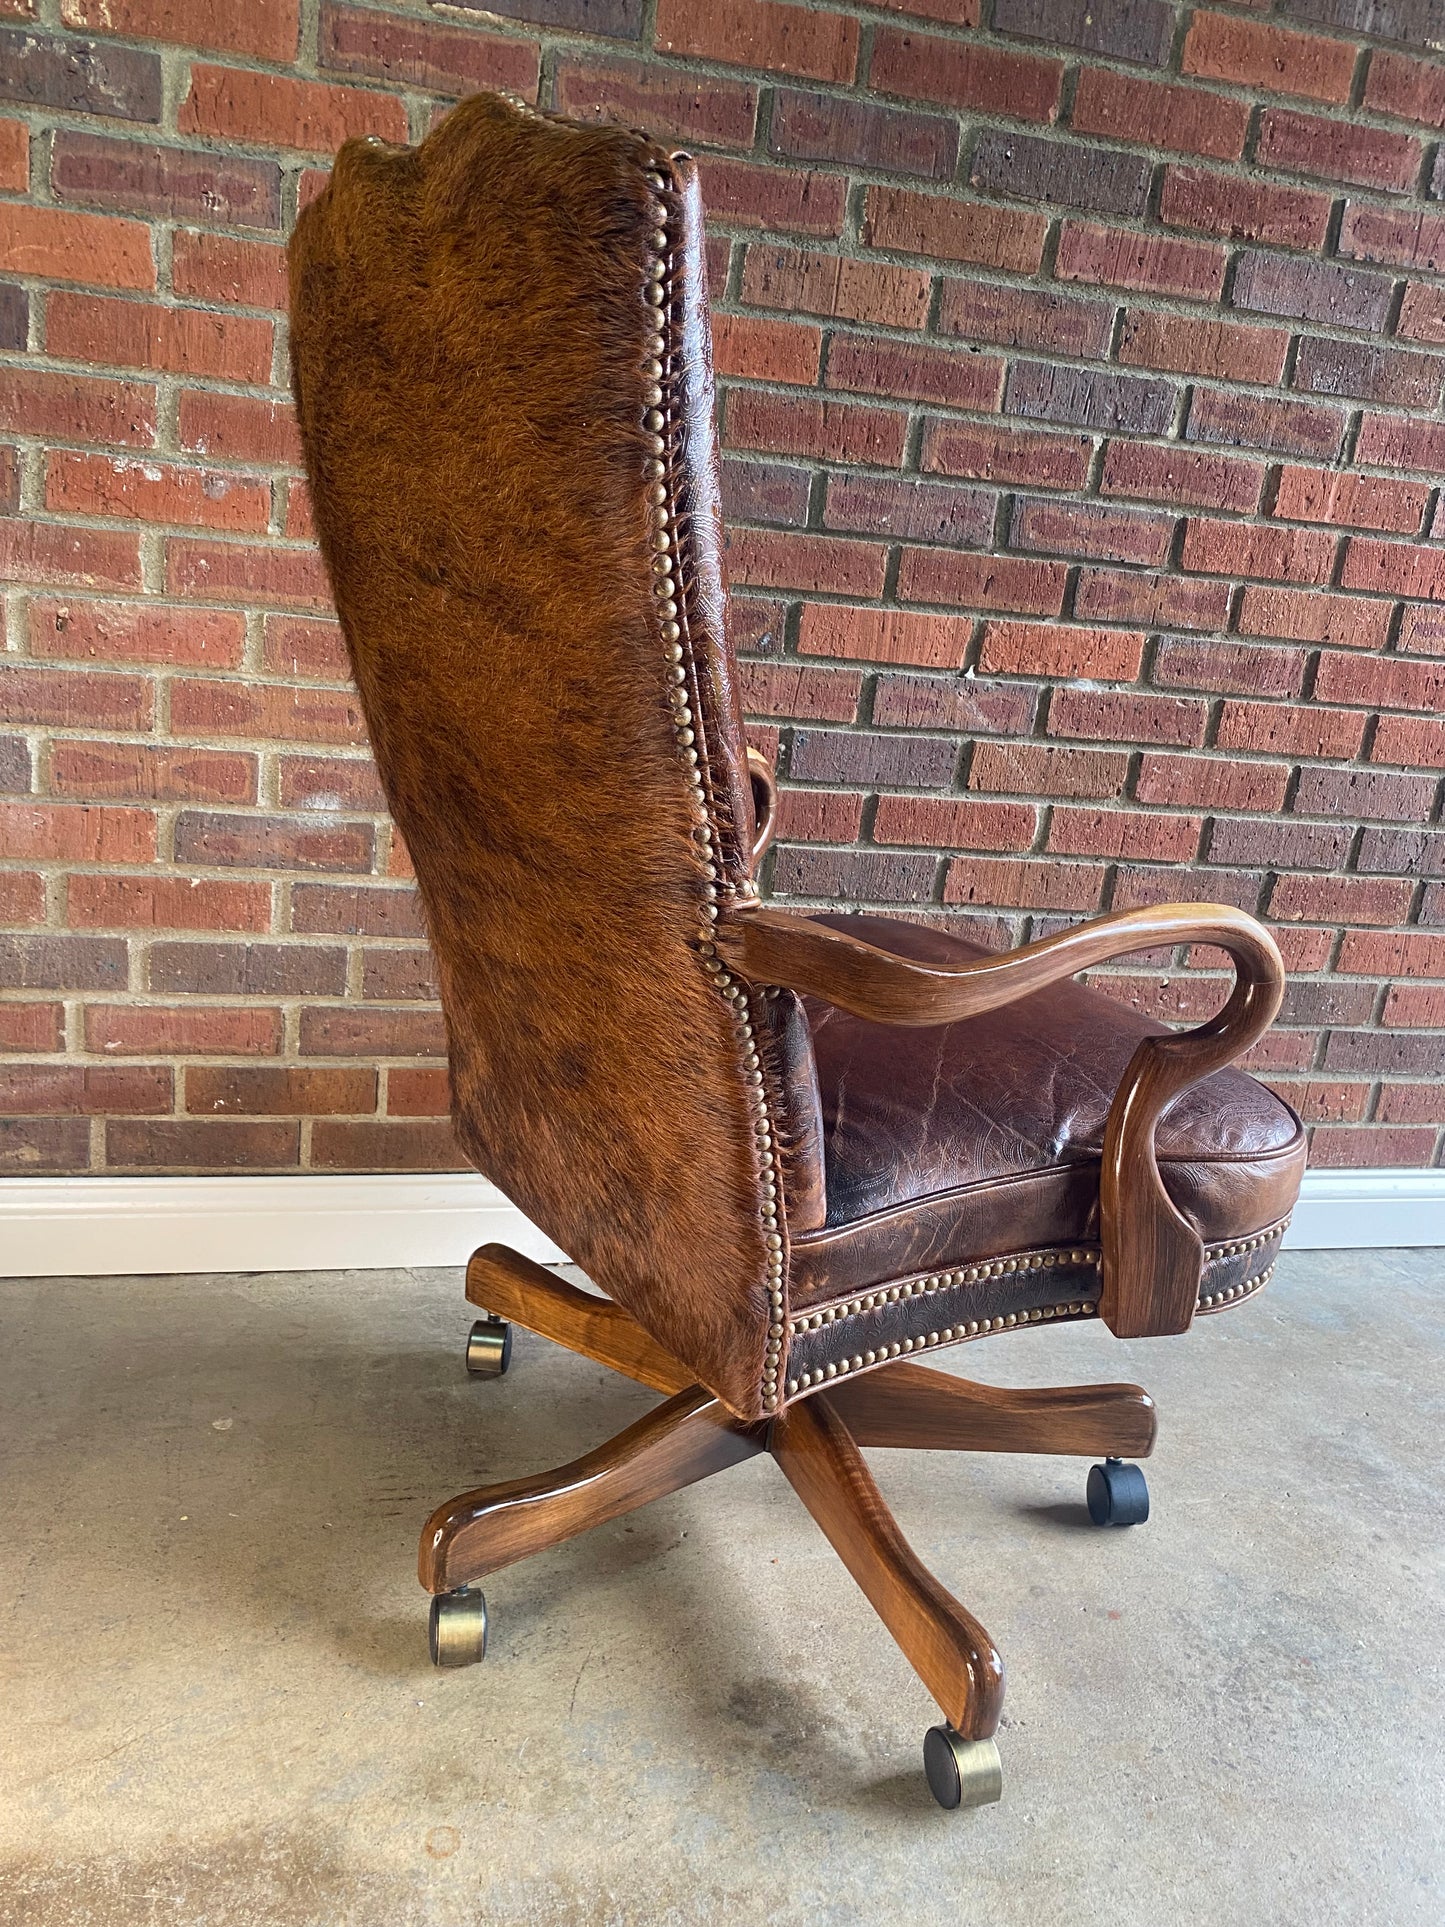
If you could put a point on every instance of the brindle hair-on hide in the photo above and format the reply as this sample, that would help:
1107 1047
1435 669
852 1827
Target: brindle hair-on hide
467 339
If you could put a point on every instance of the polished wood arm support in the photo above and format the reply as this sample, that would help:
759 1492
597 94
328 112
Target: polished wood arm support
501 1281
1152 1257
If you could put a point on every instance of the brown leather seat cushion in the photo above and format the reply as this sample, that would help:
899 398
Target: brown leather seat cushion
975 1139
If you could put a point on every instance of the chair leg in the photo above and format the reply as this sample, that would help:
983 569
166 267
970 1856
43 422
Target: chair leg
912 1405
946 1646
678 1443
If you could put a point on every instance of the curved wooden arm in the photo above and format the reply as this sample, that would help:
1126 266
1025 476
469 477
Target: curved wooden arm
1152 1257
765 801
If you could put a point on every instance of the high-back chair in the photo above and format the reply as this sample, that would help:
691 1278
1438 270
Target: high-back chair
794 1151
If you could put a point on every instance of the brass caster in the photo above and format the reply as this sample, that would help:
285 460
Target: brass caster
457 1628
961 1773
489 1348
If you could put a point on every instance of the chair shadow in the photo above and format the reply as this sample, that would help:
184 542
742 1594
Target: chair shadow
1068 1514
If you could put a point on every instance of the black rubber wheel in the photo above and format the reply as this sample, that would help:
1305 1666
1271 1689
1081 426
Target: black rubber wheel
1117 1494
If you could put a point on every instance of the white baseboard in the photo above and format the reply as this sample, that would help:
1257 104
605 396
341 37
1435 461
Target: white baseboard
104 1227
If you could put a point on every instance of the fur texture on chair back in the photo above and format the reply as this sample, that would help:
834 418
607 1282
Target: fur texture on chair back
505 484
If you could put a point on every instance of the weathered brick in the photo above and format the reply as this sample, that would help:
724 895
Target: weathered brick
376 1032
1319 1100
643 94
14 156
1422 631
30 1146
274 110
14 315
1343 1147
1416 741
241 572
1126 716
829 284
247 969
411 53
819 816
95 250
1361 794
1397 852
1061 650
1041 769
1255 549
1093 398
1321 899
180 182
79 76
837 756
775 559
60 554
271 842
829 431
80 631
277 1090
1283 284
49 962
150 771
1236 667
1405 237
1154 601
1422 314
201 1144
214 267
955 823
266 28
1124 833
1152 263
32 1027
1024 317
1338 150
814 126
759 33
238 428
166 903
906 507
854 876
744 194
1253 53
909 222
1210 783
1092 529
1288 729
758 348
800 692
1407 88
773 492
884 635
1041 885
921 66
1243 209
1392 441
1022 585
1182 475
956 378
355 909
222 707
1226 350
1099 180
1394 568
1180 119
1006 454
1265 421
1246 843
132 487
329 783
138 334
1307 615
974 706
1400 376
1141 31
65 699
413 1091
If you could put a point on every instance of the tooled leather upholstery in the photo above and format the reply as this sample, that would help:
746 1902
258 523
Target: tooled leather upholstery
964 1140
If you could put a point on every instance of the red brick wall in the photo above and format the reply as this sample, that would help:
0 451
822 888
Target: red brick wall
1082 398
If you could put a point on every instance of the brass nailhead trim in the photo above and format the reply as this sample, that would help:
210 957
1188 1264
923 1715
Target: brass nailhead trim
949 1335
1232 1294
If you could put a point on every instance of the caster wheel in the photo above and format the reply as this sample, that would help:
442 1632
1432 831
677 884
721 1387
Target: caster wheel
961 1773
489 1348
457 1628
1117 1494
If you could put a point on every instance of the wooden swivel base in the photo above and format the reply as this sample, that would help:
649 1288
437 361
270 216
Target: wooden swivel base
816 1442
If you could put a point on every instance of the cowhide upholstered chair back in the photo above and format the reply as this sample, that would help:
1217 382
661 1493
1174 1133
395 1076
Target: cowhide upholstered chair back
502 365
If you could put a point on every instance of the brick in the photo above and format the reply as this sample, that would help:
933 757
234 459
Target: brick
913 372
31 1145
414 1092
756 623
1282 284
1319 1101
813 126
819 816
376 1032
240 572
884 635
1253 53
854 876
239 428
643 94
619 19
774 559
287 715
32 1027
271 842
950 702
274 110
1262 421
1413 740
1090 529
64 699
1412 1103
77 832
1286 729
79 76
1059 650
138 334
1342 1147
1305 615
829 431
276 1090
1394 568
759 33
1152 263
1395 852
46 552
179 182
1023 586
1422 314
952 230
409 53
773 492
1422 631
215 267
14 156
1042 885
743 194
1387 683
266 28
1141 31
1179 119
760 349
60 244
355 910
1039 769
1233 667
1243 209
1124 716
1030 168
137 489
910 509
955 823
150 772
793 690
1409 89
1357 501
1397 376
1405 237
1226 350
14 315
1355 795
1255 549
329 783
14 764
47 962
135 632
385 1144
66 407
22 897
396 975
837 756
1183 475
777 277
248 969
201 1144
1338 150
1392 441
1124 833
1152 601
1320 899
1372 953
920 66
1006 455
125 1030
1012 317
1210 783
166 903
1278 846
1092 398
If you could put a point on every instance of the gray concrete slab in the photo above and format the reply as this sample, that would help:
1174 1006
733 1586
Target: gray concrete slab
218 1707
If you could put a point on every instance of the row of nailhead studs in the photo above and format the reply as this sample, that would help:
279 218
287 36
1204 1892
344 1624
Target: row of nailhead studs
949 1335
1233 1293
1242 1245
946 1281
687 730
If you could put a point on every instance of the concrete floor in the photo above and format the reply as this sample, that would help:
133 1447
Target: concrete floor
217 1706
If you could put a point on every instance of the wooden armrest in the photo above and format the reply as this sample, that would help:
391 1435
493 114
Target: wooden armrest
1152 1257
